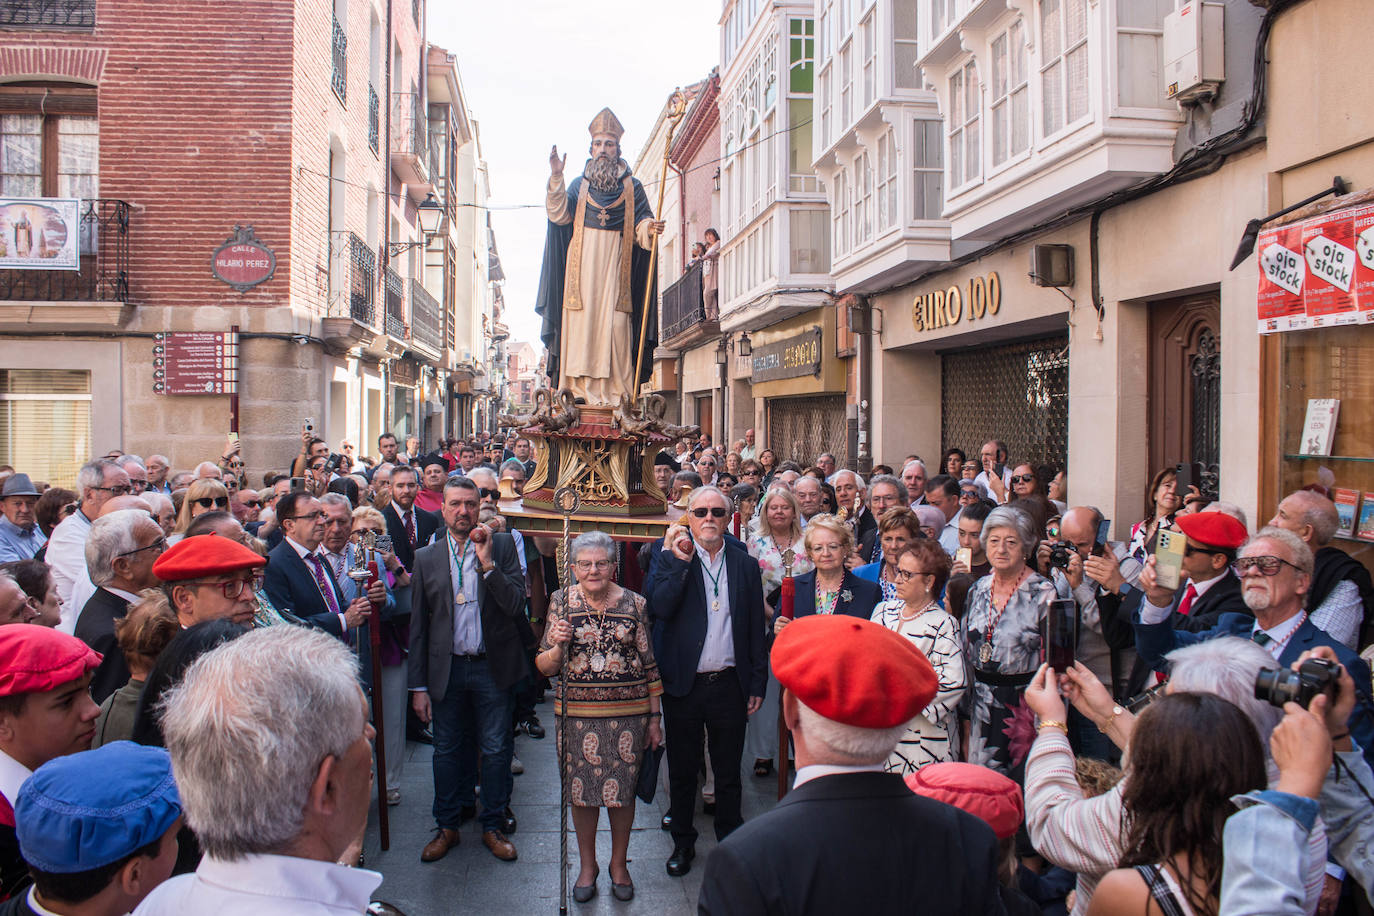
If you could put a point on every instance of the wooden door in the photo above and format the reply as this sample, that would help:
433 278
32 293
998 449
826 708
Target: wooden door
1185 385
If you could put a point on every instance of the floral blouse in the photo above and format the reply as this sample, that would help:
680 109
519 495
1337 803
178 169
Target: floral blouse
766 552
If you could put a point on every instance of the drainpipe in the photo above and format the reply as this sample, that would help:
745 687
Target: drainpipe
384 141
865 373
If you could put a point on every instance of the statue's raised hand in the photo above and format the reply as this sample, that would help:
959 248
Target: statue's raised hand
556 162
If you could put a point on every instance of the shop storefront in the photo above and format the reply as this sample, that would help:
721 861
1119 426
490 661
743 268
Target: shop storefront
799 387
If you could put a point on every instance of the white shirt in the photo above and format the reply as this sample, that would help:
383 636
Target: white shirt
264 885
13 775
67 557
982 478
718 652
949 535
817 770
1149 613
37 907
1279 634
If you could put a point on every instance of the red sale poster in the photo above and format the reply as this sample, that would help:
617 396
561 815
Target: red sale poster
1281 278
1363 220
1328 243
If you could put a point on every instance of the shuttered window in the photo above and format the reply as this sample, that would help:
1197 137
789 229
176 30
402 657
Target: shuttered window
45 422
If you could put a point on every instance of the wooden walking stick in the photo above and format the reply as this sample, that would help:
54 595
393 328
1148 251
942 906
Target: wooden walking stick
786 607
567 501
677 107
365 572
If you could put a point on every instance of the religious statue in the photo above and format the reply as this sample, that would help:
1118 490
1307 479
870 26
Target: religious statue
597 274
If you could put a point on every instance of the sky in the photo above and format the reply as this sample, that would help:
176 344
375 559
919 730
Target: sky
536 72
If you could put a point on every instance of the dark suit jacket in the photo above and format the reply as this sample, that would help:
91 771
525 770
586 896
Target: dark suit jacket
500 602
864 596
855 843
677 603
291 585
1154 641
426 523
95 627
1222 598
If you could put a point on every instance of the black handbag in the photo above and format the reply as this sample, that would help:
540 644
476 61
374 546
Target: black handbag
647 784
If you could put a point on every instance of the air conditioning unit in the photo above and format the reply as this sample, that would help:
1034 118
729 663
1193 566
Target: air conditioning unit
1194 51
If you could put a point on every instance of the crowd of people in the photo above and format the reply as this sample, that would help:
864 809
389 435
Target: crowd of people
186 665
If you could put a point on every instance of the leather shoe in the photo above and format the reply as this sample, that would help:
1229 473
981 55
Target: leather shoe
680 862
500 847
508 822
533 728
625 892
444 840
667 822
423 736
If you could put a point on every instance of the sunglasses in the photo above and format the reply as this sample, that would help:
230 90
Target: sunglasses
1024 478
1270 566
218 502
714 512
251 504
489 494
1190 550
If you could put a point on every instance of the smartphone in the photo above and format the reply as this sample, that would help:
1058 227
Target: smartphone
1169 548
233 436
1104 528
964 555
297 483
1061 634
309 424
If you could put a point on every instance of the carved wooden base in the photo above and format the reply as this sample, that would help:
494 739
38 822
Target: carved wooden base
611 470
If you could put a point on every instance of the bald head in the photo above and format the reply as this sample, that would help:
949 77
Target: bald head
1310 516
128 501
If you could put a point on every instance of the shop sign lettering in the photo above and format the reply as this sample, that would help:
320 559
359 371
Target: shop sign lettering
791 357
944 308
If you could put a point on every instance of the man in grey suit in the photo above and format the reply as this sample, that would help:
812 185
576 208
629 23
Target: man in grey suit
466 655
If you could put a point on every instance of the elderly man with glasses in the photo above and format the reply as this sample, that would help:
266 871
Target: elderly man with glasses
299 577
120 553
210 578
99 481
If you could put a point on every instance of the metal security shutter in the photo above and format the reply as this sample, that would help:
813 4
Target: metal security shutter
799 429
45 422
1018 393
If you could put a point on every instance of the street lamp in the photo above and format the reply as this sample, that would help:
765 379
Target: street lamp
430 215
721 355
743 347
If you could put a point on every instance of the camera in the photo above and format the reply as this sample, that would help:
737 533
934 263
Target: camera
1059 555
1282 685
331 466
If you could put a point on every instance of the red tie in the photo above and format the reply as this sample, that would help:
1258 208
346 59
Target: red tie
410 527
1186 604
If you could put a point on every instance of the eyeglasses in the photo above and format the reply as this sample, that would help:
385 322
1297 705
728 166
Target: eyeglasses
219 502
1270 566
159 545
906 575
489 494
138 486
313 516
1024 478
254 504
233 588
714 512
589 565
122 489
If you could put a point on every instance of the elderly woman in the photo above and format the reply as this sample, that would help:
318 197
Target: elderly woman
598 637
922 568
830 588
898 529
204 495
1002 640
777 546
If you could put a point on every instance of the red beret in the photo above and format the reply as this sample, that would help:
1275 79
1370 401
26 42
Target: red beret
1214 529
204 555
981 792
36 659
852 671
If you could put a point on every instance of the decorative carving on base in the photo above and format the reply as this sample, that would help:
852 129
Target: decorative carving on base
552 412
608 465
649 418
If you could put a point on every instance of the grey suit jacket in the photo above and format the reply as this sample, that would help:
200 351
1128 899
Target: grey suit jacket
500 601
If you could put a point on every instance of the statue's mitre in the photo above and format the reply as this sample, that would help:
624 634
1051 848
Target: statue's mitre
606 122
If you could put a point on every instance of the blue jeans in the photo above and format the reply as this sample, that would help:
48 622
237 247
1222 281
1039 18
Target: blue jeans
473 711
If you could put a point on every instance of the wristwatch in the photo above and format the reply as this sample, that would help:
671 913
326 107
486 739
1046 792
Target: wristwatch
1126 589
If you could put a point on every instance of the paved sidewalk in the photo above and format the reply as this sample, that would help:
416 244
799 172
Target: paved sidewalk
470 880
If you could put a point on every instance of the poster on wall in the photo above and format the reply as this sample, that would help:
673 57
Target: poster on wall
1362 223
1328 248
40 233
1282 272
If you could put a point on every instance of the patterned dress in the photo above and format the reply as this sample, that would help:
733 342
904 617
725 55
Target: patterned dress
930 738
761 736
611 676
1002 727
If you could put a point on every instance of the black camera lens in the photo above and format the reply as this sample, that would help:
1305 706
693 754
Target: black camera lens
1278 686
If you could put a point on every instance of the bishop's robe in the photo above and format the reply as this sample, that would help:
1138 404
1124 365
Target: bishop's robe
592 288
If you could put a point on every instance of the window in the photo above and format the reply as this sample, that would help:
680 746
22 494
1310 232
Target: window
802 176
802 54
927 175
826 128
869 45
1064 74
840 213
1010 95
846 87
964 162
45 422
806 232
52 155
941 17
1139 33
904 47
887 181
863 199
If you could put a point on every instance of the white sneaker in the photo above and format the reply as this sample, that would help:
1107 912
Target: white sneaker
516 767
393 796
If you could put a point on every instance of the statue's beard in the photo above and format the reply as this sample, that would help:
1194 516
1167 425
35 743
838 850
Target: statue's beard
604 174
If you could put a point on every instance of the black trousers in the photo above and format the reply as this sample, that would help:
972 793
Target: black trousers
717 706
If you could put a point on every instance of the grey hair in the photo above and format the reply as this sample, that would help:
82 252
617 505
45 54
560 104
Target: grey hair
1231 509
111 535
1016 519
485 472
125 460
915 461
336 499
513 464
92 474
858 481
698 492
846 745
1302 554
592 540
1226 667
1320 513
248 727
902 492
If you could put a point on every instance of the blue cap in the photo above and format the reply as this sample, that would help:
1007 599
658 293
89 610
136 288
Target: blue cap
87 810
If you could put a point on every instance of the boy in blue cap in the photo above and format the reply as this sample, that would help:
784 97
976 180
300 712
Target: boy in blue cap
98 830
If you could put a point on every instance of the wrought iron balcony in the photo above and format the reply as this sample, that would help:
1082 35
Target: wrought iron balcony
47 14
410 138
426 318
103 275
684 310
340 75
395 304
374 129
353 278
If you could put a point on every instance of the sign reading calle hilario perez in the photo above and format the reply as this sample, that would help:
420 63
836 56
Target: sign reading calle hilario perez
242 261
